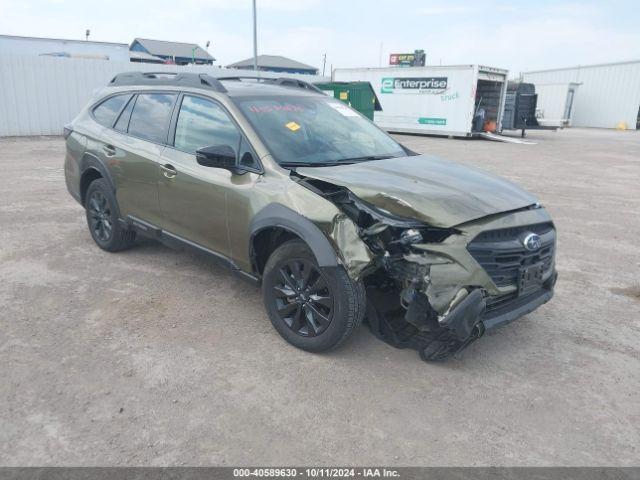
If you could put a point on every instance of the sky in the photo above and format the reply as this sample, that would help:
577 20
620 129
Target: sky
517 35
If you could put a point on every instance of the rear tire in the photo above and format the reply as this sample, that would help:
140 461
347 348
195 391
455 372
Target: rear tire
103 218
313 308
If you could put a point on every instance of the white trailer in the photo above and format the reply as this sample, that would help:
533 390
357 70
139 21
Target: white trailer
436 100
555 103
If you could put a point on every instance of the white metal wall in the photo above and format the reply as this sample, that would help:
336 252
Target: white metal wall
607 95
39 95
28 46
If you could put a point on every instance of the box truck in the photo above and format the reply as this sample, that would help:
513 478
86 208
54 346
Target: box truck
461 100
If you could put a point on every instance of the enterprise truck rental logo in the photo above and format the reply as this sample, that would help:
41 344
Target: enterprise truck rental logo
431 85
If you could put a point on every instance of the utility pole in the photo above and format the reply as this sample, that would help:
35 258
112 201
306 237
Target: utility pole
324 63
255 38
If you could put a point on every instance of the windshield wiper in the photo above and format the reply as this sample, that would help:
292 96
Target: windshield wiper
343 161
311 164
365 158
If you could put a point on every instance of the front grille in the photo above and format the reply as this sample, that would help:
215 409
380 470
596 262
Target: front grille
502 254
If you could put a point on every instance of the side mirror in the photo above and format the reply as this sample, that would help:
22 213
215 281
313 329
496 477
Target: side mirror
218 156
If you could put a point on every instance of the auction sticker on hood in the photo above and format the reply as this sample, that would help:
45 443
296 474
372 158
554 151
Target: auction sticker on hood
343 109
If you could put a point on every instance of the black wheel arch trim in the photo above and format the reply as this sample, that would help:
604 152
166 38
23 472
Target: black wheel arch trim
279 216
90 161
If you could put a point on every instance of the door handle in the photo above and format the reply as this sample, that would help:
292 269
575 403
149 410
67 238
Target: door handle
109 150
168 171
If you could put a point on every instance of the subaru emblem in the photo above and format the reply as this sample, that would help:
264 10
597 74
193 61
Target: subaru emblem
532 242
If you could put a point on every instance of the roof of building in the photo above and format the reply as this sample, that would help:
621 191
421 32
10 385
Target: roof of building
578 67
173 49
144 56
274 61
66 40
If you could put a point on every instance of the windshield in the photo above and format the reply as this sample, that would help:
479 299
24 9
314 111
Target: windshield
307 131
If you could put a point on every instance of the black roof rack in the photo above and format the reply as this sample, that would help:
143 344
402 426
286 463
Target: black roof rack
284 81
198 80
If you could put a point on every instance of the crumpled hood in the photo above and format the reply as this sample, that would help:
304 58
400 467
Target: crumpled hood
427 188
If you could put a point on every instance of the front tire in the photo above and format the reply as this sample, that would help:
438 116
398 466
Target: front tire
313 308
103 218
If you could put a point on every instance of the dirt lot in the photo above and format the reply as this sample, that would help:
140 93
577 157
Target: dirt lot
153 357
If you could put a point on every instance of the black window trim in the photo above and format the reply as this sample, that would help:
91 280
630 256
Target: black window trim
132 100
171 131
174 121
136 94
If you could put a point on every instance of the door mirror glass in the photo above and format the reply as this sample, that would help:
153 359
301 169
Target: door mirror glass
217 156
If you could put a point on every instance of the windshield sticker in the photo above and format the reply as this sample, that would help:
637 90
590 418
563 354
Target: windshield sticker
287 107
293 126
343 109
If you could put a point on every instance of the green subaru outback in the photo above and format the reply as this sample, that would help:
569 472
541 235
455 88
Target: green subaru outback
300 194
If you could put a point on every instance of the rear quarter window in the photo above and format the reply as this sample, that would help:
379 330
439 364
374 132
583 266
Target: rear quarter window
105 113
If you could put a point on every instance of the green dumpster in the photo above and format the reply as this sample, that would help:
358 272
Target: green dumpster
358 95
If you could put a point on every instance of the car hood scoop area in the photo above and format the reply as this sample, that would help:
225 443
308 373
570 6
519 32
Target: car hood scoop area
426 188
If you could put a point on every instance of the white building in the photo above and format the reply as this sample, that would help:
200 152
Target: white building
607 95
55 47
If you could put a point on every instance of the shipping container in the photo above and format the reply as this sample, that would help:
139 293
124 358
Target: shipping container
461 100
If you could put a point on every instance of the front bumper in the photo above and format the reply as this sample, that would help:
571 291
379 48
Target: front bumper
463 295
467 322
472 315
519 308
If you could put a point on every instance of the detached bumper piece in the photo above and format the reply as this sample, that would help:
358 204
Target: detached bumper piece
418 327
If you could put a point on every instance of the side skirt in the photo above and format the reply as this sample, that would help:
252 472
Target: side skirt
177 242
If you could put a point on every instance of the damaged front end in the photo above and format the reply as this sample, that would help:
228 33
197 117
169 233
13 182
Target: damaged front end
418 296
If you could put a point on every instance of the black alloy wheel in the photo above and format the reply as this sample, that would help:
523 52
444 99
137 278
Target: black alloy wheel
313 308
303 298
100 216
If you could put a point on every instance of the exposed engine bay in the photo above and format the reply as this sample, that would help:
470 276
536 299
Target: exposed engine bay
415 298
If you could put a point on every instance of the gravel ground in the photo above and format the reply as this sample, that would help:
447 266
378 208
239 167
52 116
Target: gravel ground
153 357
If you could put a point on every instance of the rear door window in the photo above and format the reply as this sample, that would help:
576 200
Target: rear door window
105 113
151 115
203 123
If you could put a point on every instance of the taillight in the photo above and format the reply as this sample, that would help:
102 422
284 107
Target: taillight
67 130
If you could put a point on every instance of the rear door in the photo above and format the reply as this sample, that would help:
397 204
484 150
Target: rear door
193 198
132 149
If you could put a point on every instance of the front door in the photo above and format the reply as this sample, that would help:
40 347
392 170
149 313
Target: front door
193 198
